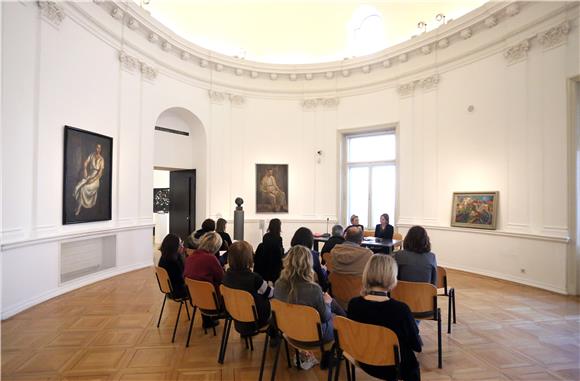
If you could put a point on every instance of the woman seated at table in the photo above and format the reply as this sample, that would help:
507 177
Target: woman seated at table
384 230
416 261
375 307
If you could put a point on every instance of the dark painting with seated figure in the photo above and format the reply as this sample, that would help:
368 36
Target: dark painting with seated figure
271 188
87 176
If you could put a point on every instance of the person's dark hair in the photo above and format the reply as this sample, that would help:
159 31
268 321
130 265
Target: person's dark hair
304 237
386 215
353 233
240 256
170 245
417 240
208 225
275 227
337 231
220 225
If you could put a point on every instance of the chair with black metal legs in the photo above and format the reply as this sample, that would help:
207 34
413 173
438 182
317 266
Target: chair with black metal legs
358 343
448 292
241 307
165 286
300 327
203 296
422 301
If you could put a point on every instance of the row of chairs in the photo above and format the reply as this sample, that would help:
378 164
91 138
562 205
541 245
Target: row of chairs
301 324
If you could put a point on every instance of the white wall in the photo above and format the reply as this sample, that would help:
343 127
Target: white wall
515 141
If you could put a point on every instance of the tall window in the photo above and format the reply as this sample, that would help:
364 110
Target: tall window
370 170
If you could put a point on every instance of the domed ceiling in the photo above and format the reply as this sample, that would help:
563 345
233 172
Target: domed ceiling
286 31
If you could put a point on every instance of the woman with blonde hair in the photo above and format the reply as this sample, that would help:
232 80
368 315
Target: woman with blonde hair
375 307
296 285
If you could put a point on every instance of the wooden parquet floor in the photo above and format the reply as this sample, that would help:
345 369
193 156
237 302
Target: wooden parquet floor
107 331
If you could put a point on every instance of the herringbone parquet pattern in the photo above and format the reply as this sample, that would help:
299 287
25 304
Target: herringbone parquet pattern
107 331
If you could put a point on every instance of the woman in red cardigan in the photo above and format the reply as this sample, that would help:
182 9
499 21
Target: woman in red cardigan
203 265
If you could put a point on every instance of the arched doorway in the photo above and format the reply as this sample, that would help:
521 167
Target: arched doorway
180 158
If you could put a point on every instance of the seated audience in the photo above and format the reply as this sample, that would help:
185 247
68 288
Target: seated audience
384 230
303 236
296 285
350 257
171 261
241 277
416 261
269 253
354 221
335 238
203 265
192 240
221 230
375 307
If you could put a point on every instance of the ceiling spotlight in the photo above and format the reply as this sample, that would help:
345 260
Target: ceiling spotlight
440 17
422 25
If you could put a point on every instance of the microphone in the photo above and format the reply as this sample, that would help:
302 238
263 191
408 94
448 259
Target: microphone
327 234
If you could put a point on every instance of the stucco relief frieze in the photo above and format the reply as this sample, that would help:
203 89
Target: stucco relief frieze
132 64
310 104
517 52
51 11
442 39
554 36
219 97
427 83
148 72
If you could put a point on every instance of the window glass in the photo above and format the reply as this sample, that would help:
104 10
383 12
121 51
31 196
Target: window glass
371 148
383 185
358 194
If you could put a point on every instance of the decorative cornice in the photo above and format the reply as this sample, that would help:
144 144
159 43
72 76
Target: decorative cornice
477 21
310 104
427 83
51 11
219 97
517 52
554 36
132 64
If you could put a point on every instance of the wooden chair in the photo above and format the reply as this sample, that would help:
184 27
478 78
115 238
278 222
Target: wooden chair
165 287
448 292
240 307
328 260
398 237
300 326
363 343
422 301
345 287
203 296
369 233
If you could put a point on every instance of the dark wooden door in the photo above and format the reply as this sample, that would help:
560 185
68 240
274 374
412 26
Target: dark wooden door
182 202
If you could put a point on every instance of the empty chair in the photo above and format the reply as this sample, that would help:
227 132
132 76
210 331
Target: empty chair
300 327
166 288
240 307
422 300
345 287
398 237
363 343
448 292
203 296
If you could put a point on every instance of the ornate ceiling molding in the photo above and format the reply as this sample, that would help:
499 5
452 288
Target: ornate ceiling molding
554 36
427 83
311 104
476 22
132 65
518 52
51 11
219 97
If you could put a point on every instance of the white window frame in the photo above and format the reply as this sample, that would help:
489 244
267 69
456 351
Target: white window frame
345 165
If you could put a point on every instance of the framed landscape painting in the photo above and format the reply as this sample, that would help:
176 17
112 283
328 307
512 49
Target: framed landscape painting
475 209
88 160
271 188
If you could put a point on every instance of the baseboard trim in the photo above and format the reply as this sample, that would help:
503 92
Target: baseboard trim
71 286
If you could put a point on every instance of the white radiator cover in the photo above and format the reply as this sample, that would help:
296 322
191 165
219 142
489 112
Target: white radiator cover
87 256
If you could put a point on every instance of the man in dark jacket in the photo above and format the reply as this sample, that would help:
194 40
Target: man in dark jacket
335 239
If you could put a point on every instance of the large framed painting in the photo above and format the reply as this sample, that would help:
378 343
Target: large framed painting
161 200
475 209
271 188
88 163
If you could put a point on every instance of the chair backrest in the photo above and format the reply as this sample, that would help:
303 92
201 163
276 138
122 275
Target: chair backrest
398 236
441 277
163 280
203 294
367 343
345 287
420 297
369 233
239 304
296 321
